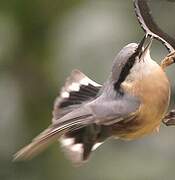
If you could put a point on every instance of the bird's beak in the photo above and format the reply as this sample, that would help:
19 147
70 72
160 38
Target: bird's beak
140 46
147 47
141 50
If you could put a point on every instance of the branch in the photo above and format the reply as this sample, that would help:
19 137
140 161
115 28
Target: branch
148 24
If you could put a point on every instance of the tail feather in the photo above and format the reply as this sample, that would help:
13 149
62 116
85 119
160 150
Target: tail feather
77 90
36 146
79 144
48 136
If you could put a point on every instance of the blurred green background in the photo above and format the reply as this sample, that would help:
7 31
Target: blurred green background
41 41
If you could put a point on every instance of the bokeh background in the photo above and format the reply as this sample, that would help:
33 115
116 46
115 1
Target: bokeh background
41 41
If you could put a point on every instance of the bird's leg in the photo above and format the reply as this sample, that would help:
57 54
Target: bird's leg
169 119
168 60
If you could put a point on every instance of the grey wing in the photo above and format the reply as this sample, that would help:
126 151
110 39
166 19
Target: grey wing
94 119
107 112
73 103
100 112
77 90
68 113
103 110
76 112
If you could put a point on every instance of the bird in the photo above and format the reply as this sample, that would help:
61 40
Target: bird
130 104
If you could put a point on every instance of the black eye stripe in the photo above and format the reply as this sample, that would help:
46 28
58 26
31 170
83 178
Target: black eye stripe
125 71
129 64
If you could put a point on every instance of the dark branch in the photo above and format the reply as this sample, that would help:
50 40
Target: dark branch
149 25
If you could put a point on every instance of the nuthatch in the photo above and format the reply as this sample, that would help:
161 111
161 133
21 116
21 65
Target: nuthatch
130 104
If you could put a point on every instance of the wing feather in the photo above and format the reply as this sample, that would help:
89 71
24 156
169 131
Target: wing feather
77 90
48 136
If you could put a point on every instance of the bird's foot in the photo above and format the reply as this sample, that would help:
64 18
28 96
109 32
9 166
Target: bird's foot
169 119
168 60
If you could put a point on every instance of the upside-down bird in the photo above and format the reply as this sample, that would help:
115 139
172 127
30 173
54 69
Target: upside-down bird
130 104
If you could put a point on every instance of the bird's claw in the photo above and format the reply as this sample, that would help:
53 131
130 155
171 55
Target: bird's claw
168 60
169 119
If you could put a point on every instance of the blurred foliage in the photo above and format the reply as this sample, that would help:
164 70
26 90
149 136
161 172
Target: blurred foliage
41 42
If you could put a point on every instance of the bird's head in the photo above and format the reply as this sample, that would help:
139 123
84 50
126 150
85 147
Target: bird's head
131 61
